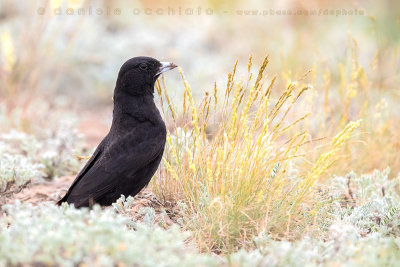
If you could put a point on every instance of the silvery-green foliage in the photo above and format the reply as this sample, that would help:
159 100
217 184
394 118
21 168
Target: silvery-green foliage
373 215
284 253
16 169
59 149
274 170
182 209
373 250
149 215
52 151
247 258
377 202
66 236
182 139
21 142
123 204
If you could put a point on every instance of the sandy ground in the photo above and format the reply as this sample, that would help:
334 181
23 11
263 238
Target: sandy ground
37 192
40 191
94 125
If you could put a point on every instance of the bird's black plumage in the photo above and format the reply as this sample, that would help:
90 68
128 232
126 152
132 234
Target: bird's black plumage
129 155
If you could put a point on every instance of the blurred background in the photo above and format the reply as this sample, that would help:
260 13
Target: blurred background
59 60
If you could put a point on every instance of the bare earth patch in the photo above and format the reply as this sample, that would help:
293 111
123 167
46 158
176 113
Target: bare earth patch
40 191
36 192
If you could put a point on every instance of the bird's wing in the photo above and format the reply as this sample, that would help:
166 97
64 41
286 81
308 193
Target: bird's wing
124 155
88 165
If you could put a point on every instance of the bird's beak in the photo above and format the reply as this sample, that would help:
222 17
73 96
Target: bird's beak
165 66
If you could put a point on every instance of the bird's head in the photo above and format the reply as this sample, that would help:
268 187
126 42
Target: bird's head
138 75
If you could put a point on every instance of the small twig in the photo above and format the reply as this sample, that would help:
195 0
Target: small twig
349 190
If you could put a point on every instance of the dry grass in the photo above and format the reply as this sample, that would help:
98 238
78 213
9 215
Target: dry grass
238 180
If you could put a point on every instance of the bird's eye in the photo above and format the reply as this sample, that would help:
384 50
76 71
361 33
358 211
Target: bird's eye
143 67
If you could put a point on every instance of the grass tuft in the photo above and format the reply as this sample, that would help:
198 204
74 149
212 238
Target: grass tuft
234 176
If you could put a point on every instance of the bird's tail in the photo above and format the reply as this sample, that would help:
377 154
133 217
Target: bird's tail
62 200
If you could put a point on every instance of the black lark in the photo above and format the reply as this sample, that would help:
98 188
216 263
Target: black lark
129 155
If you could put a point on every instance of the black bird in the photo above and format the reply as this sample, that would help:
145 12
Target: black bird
129 155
